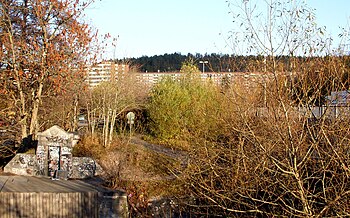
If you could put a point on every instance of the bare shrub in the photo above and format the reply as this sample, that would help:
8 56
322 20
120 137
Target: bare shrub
278 162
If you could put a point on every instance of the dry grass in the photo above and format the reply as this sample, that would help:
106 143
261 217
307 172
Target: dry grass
125 163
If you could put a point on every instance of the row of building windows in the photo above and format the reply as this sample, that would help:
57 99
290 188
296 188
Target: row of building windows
104 71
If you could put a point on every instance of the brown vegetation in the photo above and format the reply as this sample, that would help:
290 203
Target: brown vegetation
252 151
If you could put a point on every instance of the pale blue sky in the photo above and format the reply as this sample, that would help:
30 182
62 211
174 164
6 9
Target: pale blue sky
156 27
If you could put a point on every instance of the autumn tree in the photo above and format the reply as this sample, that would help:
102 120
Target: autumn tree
44 45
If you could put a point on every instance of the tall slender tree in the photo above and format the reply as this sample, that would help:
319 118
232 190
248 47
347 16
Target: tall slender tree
44 44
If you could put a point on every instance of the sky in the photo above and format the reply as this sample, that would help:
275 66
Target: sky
156 27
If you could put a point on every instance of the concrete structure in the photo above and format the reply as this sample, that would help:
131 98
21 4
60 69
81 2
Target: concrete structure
22 196
51 194
340 98
26 165
54 158
54 151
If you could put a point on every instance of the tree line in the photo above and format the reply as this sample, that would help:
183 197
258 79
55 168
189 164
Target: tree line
216 62
172 62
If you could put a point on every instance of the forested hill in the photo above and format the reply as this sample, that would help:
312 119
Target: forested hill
220 62
172 62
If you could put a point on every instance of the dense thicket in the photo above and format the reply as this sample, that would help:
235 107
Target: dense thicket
251 160
276 159
251 152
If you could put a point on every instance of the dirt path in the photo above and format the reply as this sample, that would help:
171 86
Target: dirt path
173 153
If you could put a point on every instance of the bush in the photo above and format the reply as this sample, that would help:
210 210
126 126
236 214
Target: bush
179 109
89 146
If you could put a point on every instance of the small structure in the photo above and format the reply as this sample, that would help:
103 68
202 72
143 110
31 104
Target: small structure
54 152
54 158
31 193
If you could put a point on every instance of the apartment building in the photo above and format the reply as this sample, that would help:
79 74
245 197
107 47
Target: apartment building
105 71
247 79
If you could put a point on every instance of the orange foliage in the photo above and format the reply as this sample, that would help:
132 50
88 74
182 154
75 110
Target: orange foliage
45 46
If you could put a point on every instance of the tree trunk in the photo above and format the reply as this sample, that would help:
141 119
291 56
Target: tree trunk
75 113
105 129
23 114
34 127
111 129
91 118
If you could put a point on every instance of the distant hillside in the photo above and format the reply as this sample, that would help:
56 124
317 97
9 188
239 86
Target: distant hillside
216 62
172 62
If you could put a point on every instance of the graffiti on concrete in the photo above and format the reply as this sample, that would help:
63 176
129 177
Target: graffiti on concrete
40 159
55 151
83 167
22 164
53 158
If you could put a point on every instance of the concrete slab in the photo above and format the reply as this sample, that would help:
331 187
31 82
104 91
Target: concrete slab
40 184
27 196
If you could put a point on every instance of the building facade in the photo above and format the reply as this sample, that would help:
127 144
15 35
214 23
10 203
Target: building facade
104 71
